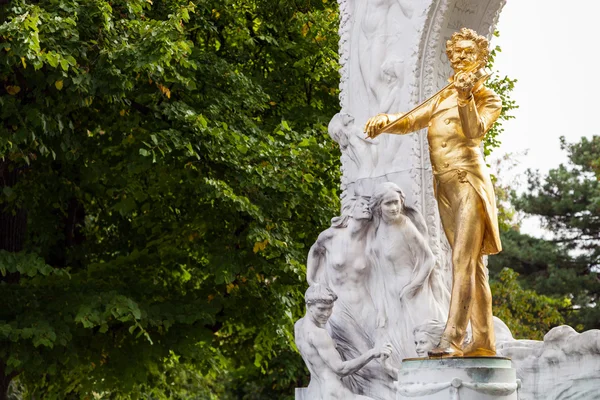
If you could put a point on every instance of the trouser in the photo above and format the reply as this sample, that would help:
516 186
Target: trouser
463 217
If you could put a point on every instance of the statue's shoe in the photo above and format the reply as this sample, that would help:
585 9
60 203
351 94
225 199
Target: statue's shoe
444 350
476 351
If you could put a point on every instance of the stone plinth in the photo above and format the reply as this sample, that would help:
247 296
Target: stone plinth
300 394
468 378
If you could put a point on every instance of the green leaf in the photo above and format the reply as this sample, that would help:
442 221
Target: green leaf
8 192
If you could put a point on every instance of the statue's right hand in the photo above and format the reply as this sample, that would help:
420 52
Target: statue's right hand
375 123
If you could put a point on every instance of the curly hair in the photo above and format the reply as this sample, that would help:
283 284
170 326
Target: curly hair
469 34
318 293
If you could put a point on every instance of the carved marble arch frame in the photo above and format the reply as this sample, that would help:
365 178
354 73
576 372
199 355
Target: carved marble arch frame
432 23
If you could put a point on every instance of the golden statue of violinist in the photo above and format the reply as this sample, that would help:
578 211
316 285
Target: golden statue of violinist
457 119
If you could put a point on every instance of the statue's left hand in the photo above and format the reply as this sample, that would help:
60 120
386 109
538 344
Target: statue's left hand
464 83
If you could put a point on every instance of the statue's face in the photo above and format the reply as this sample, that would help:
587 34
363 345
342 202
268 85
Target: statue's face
423 344
361 209
391 206
320 312
464 56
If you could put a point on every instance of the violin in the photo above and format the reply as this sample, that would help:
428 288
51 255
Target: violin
481 74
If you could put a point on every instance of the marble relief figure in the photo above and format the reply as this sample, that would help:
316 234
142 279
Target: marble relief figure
381 25
376 258
406 285
393 75
427 335
338 260
359 153
319 352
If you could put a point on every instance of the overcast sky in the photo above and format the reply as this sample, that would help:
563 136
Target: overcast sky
550 47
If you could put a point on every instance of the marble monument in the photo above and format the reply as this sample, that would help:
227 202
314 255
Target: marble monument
388 258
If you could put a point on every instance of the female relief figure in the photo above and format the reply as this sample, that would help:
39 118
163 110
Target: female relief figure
427 336
376 39
407 289
359 155
338 260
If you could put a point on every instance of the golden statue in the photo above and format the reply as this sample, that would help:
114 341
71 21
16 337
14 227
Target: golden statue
457 118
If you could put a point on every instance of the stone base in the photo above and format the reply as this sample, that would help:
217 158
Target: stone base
300 394
467 378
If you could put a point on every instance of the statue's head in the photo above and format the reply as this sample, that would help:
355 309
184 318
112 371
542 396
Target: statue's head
338 128
319 301
387 201
357 208
427 336
467 50
361 210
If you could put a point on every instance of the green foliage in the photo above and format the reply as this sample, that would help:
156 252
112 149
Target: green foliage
527 314
26 264
528 256
508 217
567 201
503 86
173 164
567 265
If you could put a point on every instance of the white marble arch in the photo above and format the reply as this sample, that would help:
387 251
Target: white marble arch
396 48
